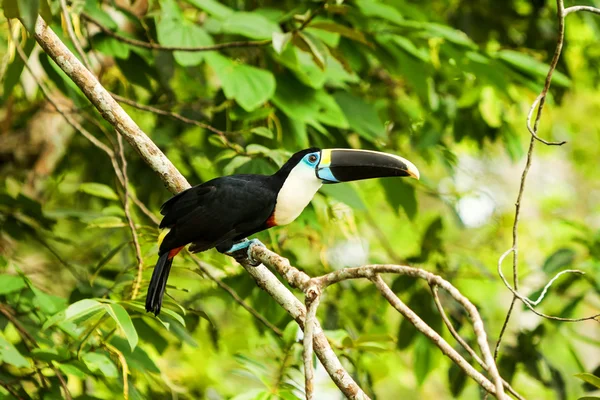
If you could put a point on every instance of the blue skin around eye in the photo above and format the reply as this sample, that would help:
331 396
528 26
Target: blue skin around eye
313 163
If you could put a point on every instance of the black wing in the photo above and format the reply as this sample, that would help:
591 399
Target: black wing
220 210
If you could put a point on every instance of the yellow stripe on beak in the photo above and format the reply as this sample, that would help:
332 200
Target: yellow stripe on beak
325 158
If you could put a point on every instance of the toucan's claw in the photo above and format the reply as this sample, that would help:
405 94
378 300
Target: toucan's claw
241 251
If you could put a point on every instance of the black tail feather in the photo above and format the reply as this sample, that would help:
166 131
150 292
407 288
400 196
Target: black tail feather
158 283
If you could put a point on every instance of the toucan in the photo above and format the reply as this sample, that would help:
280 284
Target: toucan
223 212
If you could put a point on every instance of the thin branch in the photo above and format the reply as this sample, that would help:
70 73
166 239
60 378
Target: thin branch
71 32
312 300
582 8
205 270
269 283
461 341
108 107
136 243
409 314
539 103
154 46
179 117
530 303
124 367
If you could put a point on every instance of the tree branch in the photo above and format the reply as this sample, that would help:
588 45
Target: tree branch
115 115
108 107
539 103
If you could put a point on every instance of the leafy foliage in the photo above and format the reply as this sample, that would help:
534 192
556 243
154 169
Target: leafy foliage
445 84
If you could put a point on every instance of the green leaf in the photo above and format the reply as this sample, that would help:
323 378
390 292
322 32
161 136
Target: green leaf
422 359
589 378
372 8
249 86
110 46
11 8
490 107
250 24
235 163
10 284
123 320
98 190
263 131
80 309
560 259
213 7
100 363
290 333
341 29
15 69
401 194
181 33
28 10
362 117
280 41
532 66
10 355
309 43
346 194
457 380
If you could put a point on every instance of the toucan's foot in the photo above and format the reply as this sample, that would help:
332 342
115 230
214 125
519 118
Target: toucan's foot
241 251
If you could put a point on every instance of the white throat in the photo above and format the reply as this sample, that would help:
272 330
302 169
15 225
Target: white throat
297 191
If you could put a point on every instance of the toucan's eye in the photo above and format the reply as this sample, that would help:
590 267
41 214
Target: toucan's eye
312 158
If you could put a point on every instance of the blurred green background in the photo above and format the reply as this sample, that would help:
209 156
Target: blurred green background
444 83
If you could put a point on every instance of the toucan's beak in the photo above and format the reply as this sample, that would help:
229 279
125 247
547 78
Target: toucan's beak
344 165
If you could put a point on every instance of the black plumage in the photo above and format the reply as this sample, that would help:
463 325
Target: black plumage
217 213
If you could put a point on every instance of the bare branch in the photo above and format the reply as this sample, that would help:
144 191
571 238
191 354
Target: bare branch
137 282
409 314
108 107
574 9
154 46
539 103
312 300
461 341
530 303
204 269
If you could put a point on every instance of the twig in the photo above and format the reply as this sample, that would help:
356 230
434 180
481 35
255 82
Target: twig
300 280
539 102
91 138
136 243
206 271
124 367
71 32
312 300
154 46
461 341
108 107
179 117
11 390
409 314
269 283
582 8
530 303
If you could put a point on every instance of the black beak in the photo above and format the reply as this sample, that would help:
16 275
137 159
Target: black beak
344 165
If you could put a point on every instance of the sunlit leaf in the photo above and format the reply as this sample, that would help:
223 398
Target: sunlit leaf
123 321
98 190
10 355
100 363
250 24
